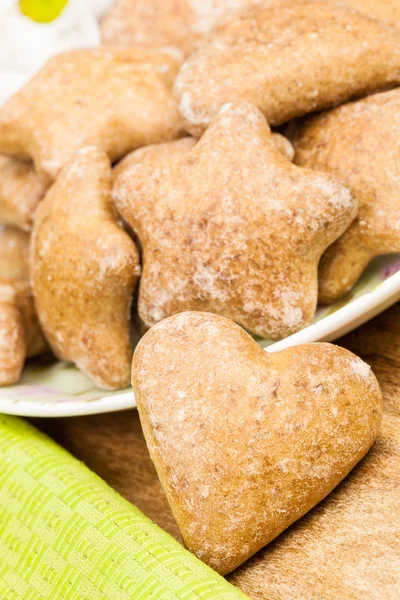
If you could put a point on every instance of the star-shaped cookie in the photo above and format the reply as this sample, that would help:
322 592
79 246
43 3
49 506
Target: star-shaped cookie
232 227
245 441
117 99
359 143
288 59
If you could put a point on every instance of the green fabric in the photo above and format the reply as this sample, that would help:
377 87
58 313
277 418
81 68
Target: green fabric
65 534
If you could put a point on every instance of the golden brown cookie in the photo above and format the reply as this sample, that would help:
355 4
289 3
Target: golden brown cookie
14 253
155 152
20 333
180 24
117 99
360 144
387 11
183 24
232 227
12 338
162 152
84 269
348 546
283 145
20 192
288 59
246 442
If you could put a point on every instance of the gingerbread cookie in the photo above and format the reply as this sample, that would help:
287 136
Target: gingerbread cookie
117 99
84 271
20 192
360 144
271 56
160 153
232 227
20 333
14 252
348 546
246 442
387 11
180 24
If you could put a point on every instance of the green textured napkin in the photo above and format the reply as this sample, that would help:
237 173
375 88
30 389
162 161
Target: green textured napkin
65 534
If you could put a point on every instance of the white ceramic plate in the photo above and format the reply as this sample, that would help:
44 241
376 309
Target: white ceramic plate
60 390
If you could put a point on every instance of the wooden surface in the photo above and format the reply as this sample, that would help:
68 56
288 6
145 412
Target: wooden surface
347 548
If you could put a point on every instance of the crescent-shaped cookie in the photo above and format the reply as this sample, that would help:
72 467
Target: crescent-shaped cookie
84 268
288 59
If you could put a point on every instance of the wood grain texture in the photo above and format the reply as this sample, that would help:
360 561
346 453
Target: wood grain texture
347 547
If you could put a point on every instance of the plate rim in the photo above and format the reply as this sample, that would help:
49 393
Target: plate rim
328 329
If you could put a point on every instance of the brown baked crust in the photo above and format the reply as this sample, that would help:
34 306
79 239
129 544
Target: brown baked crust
84 271
387 11
35 342
245 442
14 253
231 226
183 24
180 24
117 99
12 337
348 546
284 145
360 144
20 192
271 57
154 152
161 152
20 333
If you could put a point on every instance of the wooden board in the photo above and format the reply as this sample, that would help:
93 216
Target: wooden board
346 548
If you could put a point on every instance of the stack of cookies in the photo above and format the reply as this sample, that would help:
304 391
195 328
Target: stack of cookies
205 208
234 158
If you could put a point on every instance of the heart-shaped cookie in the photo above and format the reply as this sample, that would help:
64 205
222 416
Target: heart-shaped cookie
246 442
117 99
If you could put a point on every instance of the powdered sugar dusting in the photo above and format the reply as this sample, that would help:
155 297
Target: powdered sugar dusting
257 439
230 226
